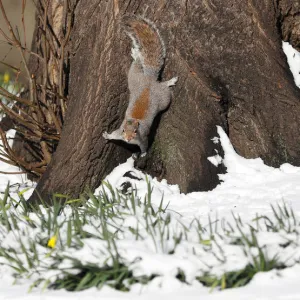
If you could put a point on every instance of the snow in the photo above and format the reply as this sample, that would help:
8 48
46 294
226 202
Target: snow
293 57
247 190
18 181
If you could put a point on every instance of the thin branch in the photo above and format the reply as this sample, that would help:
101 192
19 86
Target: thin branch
19 46
46 153
44 146
45 77
12 97
38 120
10 162
11 173
19 161
5 36
14 38
23 21
10 42
18 118
10 66
51 44
54 119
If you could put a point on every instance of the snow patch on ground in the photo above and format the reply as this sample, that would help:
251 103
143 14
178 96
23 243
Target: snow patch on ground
293 57
18 182
247 189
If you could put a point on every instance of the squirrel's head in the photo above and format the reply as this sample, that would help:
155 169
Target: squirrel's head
130 129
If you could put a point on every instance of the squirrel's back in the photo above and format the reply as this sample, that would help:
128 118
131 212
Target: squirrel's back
148 43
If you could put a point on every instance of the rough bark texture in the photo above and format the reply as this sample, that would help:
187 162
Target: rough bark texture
232 72
289 21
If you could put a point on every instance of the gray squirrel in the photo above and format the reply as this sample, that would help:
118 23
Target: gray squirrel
148 96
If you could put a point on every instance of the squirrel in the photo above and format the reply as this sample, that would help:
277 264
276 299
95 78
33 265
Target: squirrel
148 96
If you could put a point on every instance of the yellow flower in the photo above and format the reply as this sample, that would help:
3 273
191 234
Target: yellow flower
52 241
6 77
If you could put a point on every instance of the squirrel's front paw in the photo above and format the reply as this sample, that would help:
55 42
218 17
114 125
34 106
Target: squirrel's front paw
105 135
172 81
135 156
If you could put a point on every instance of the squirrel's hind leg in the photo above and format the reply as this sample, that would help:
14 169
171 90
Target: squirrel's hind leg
143 144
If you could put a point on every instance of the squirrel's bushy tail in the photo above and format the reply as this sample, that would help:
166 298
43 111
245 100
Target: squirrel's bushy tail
148 43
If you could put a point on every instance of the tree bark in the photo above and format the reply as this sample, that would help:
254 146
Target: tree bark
232 72
289 21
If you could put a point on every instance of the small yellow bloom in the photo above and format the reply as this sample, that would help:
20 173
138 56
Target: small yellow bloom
6 77
52 241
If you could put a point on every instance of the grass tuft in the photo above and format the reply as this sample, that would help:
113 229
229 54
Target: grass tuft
108 240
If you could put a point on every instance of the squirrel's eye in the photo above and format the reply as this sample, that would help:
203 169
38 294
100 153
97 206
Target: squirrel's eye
135 131
123 130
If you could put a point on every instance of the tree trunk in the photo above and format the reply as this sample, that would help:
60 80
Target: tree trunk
289 21
232 72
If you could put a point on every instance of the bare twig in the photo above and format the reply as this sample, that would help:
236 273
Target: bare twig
19 46
9 42
19 161
47 154
10 162
39 119
12 97
10 66
54 119
14 38
23 21
45 78
11 173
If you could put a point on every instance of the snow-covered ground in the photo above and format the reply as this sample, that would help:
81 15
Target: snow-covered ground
247 190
